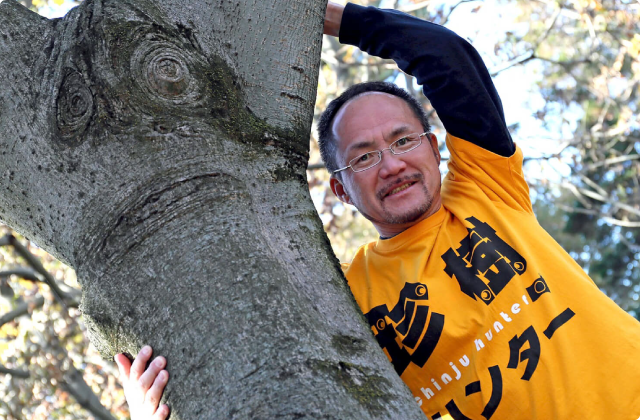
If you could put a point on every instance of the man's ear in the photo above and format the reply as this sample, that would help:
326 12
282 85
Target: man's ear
434 145
338 190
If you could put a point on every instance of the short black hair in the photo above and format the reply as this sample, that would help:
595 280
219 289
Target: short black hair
328 146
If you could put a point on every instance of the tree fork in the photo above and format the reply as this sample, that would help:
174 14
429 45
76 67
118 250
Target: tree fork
160 149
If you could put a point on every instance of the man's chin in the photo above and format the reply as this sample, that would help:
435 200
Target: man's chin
414 213
407 217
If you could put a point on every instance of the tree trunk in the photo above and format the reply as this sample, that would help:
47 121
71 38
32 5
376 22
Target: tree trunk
160 149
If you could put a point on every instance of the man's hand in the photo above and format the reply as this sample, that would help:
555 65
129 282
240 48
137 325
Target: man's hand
333 18
143 389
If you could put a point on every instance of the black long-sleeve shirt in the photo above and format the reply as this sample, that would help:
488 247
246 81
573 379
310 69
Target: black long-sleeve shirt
450 70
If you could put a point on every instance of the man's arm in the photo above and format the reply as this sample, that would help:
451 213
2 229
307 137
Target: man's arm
450 70
333 18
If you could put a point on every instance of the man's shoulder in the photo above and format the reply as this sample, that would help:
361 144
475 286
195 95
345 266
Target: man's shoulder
484 177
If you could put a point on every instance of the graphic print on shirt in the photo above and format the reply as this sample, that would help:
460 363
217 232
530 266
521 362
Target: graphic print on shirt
408 319
483 264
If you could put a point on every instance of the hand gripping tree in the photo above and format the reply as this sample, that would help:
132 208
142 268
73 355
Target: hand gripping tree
160 149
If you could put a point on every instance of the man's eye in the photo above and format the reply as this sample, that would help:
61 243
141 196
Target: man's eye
403 141
363 158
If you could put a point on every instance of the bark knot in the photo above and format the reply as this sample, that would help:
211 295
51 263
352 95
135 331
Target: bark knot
164 70
75 106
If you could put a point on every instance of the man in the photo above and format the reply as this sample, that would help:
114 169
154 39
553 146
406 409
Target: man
481 313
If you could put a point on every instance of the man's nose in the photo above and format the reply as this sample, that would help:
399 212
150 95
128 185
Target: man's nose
391 164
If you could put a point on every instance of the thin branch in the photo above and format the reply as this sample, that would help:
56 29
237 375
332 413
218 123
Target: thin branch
550 26
34 262
577 194
531 55
22 272
615 131
454 7
24 374
83 394
605 109
593 185
577 210
413 7
544 157
623 223
517 62
612 161
608 200
22 309
564 64
28 274
315 166
632 247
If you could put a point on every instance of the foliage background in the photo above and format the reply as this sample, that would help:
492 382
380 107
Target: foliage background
578 62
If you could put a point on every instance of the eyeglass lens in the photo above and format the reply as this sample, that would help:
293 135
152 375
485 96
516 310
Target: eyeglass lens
398 147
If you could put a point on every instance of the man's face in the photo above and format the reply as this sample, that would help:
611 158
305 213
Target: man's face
402 189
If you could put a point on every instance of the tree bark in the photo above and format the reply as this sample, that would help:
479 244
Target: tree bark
160 149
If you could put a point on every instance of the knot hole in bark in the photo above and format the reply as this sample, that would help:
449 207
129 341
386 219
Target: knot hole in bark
163 70
74 105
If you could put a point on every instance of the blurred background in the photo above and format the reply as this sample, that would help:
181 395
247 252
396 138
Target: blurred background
568 73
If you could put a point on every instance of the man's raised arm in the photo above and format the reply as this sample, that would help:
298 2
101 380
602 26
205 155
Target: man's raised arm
450 70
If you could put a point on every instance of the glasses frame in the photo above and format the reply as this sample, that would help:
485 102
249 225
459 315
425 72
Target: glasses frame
350 165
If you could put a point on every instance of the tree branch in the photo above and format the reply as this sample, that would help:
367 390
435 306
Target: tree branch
22 272
593 185
577 210
632 247
453 8
623 223
608 200
34 262
564 64
22 309
219 22
612 161
83 394
579 196
24 374
315 166
29 274
518 61
413 7
24 36
532 55
19 24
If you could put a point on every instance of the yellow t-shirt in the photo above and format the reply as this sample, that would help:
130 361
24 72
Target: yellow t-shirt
485 316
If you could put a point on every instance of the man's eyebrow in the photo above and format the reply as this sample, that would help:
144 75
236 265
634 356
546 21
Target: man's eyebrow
369 144
403 129
365 144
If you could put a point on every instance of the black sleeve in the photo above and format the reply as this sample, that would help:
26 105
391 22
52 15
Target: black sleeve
450 70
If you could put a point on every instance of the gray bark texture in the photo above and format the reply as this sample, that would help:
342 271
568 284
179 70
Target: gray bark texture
160 148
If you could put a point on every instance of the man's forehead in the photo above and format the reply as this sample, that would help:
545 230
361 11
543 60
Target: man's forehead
356 102
371 110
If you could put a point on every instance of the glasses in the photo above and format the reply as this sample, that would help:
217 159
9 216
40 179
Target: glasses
370 159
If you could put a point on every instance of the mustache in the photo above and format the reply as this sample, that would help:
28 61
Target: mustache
380 194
